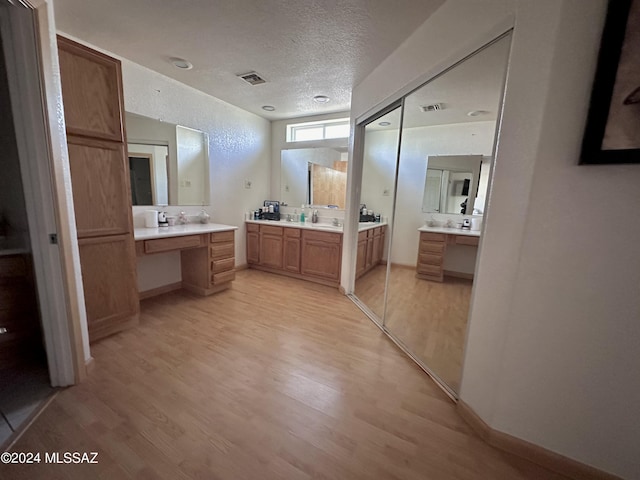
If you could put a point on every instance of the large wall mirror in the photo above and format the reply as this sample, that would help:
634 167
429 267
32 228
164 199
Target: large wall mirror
314 176
168 163
429 165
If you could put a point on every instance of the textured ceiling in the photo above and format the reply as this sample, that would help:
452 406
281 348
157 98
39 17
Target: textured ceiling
302 48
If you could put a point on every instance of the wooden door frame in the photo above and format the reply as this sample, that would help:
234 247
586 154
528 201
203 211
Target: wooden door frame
36 97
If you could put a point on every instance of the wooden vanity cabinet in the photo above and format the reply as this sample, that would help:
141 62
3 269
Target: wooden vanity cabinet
321 255
431 256
94 118
370 249
307 254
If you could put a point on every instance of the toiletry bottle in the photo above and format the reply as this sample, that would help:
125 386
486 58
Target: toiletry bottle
302 214
295 214
314 217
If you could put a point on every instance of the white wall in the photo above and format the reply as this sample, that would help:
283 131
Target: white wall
552 347
239 149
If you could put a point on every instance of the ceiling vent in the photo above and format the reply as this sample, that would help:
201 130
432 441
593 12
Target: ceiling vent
432 108
252 78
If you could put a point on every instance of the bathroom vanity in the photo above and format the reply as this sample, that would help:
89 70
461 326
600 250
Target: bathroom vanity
434 242
207 253
307 251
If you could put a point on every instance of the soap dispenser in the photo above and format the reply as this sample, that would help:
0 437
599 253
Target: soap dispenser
314 217
302 214
204 216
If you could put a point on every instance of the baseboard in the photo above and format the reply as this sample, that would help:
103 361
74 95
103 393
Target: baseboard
529 451
242 267
89 365
154 292
467 276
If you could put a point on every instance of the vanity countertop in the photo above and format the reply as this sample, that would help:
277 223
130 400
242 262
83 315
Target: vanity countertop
327 227
450 231
180 230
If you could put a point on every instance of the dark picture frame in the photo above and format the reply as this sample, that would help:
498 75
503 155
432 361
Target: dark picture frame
603 141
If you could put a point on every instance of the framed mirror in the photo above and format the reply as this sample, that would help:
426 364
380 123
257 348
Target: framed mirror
451 185
314 176
168 163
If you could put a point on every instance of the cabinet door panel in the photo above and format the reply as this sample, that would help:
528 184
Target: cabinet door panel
253 247
100 182
321 259
271 251
361 258
292 254
91 87
110 286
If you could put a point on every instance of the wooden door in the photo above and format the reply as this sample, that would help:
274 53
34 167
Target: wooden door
91 91
253 247
321 255
271 250
100 184
109 281
361 258
292 254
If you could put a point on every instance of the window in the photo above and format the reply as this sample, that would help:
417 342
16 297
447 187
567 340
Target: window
324 130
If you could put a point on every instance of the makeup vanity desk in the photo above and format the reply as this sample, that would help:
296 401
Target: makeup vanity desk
433 248
207 253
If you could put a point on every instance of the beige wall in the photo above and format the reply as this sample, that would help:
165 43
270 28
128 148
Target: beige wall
552 347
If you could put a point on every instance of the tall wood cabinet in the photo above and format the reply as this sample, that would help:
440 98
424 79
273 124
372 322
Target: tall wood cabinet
94 116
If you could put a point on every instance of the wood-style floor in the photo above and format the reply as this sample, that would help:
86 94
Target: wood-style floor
429 318
275 378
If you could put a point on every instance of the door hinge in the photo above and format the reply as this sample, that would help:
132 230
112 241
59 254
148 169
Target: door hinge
53 238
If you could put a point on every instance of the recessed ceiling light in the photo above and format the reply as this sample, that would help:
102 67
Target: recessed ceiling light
384 124
321 99
477 113
268 108
181 63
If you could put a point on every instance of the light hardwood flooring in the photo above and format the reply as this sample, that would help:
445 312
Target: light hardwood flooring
429 318
275 378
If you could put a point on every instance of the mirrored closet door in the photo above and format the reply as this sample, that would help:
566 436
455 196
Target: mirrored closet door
439 183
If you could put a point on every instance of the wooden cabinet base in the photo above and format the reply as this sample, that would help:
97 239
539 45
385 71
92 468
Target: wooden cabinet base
286 273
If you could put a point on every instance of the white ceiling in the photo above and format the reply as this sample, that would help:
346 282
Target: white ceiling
472 85
302 48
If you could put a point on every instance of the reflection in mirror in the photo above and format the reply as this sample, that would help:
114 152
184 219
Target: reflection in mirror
451 185
443 172
168 164
381 138
313 176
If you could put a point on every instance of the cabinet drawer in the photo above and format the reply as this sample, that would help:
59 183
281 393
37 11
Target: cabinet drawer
223 265
467 240
269 230
292 232
432 237
252 227
432 247
327 237
429 259
173 243
435 270
223 277
222 237
221 250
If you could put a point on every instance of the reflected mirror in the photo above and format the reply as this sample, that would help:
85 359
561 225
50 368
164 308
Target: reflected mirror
451 185
381 138
168 163
314 176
